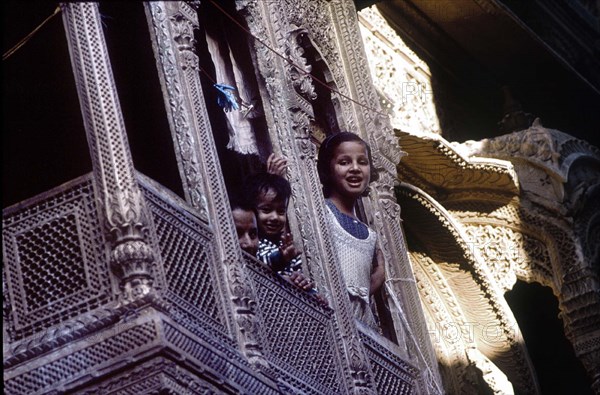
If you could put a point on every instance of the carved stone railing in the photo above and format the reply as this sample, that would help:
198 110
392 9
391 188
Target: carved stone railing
393 375
299 340
298 334
187 250
55 264
65 330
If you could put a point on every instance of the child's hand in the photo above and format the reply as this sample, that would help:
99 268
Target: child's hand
300 281
287 248
276 165
321 299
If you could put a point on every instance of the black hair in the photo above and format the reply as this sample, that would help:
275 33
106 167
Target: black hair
326 151
240 201
262 182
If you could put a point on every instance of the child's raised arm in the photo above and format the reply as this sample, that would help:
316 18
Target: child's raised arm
276 165
378 273
288 250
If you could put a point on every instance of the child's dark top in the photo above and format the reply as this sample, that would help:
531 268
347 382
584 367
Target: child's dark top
269 253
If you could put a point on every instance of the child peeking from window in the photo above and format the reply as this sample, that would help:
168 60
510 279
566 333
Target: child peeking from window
244 219
260 217
270 194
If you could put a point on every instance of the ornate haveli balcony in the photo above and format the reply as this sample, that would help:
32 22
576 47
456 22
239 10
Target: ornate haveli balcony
66 329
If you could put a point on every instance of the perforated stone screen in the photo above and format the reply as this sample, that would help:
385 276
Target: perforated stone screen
55 262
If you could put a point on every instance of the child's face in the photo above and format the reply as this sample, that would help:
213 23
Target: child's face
271 215
247 231
350 169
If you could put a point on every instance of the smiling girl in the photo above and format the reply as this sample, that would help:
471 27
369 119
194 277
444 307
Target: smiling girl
345 169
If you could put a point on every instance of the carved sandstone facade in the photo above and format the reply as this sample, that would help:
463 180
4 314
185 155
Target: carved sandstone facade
482 214
113 284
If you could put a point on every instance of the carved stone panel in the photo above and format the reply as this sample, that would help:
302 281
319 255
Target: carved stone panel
55 261
172 25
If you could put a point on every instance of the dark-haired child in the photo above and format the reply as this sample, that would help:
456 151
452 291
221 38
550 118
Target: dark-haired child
270 194
244 219
345 169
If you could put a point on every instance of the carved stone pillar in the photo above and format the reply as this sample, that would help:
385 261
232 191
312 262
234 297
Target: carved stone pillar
177 64
374 127
118 194
288 89
409 320
408 317
172 26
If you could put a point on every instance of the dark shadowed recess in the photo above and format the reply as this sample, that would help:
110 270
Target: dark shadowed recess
43 138
558 369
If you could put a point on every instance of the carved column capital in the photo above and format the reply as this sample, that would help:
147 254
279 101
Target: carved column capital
131 259
299 69
183 25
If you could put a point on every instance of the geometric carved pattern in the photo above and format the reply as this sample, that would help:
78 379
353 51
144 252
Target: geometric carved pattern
222 365
187 271
298 334
51 261
392 374
185 242
54 261
510 253
154 376
401 77
87 359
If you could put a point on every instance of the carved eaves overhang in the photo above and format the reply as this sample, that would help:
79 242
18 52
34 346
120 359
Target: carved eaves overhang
478 192
552 235
460 292
559 177
555 170
544 231
462 288
433 165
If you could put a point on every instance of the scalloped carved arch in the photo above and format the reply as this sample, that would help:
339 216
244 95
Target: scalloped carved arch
314 83
468 292
560 204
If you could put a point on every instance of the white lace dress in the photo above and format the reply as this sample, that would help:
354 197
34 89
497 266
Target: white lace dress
356 258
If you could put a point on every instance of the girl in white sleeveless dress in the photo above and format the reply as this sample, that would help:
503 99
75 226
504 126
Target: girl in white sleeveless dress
345 169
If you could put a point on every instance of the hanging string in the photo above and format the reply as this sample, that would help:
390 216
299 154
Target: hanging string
24 40
429 375
288 60
211 79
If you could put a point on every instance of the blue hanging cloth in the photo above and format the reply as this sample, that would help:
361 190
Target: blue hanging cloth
225 98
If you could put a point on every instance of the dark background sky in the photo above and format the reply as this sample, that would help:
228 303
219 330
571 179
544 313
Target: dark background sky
44 142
